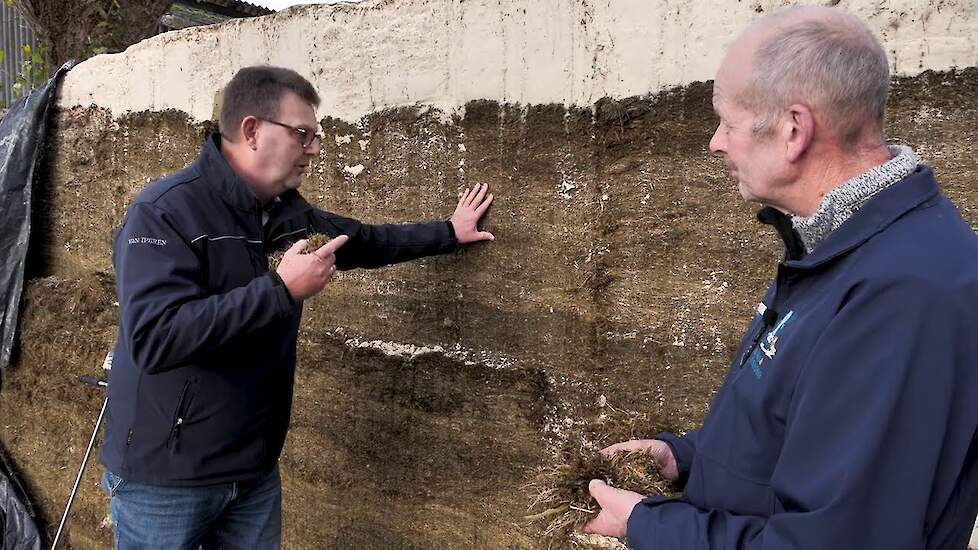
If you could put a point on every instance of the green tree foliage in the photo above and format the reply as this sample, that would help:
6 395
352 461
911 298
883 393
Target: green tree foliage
80 29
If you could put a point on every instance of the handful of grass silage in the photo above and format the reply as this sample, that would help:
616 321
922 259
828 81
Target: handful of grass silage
563 504
316 240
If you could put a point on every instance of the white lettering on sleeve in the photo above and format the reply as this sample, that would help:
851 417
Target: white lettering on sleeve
147 240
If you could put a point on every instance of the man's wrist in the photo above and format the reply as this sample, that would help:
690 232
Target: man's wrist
278 281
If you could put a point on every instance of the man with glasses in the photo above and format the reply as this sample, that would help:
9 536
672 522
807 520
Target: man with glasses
201 387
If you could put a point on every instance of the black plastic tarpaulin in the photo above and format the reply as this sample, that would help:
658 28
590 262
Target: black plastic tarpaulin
23 131
17 529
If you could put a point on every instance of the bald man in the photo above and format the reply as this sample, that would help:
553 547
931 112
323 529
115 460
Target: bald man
848 416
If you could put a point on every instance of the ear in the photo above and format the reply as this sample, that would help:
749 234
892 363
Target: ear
249 131
799 131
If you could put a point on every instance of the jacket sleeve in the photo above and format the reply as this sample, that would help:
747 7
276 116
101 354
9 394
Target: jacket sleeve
379 245
684 450
863 434
165 312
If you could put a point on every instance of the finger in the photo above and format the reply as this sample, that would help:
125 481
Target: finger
595 525
332 246
484 236
462 198
484 206
613 449
326 261
471 196
630 446
297 248
482 193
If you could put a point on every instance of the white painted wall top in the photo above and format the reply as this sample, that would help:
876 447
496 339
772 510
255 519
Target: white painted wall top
443 53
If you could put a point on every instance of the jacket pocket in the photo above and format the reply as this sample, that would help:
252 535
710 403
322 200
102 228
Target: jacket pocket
111 483
180 413
731 489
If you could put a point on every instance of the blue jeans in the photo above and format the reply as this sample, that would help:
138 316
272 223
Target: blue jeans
240 515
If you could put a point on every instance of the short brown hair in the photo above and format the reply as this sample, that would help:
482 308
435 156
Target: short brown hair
256 91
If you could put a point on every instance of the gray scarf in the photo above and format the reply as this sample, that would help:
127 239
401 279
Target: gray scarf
843 201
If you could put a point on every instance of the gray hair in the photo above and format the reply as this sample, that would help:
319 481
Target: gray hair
833 64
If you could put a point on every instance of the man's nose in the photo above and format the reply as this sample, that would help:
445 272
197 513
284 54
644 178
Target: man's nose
717 144
314 147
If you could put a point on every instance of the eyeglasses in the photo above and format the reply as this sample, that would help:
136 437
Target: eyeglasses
306 136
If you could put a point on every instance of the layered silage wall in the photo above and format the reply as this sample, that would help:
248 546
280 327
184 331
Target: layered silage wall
625 264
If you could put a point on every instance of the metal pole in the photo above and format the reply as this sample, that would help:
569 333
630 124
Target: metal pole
88 452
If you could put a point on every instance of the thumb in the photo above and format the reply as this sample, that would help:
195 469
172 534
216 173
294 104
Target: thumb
599 490
484 236
297 248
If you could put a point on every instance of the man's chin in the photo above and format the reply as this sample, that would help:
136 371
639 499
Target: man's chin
745 192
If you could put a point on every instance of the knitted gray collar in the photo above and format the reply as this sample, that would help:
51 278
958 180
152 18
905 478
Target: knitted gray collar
843 201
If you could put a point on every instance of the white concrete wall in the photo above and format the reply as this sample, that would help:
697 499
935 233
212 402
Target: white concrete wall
443 53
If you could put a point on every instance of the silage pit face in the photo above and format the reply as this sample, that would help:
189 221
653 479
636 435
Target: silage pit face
443 422
67 326
384 441
428 383
411 433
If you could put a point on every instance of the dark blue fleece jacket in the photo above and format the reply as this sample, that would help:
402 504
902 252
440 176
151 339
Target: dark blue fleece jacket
848 417
200 390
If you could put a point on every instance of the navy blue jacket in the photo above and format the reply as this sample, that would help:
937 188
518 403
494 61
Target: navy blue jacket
848 417
200 390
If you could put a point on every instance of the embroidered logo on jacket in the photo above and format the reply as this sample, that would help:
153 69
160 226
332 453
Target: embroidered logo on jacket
767 348
147 240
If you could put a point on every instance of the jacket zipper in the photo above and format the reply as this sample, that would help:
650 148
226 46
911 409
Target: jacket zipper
263 263
183 405
780 282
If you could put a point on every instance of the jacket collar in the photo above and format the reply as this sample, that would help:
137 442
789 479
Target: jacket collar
287 206
218 173
877 214
794 248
